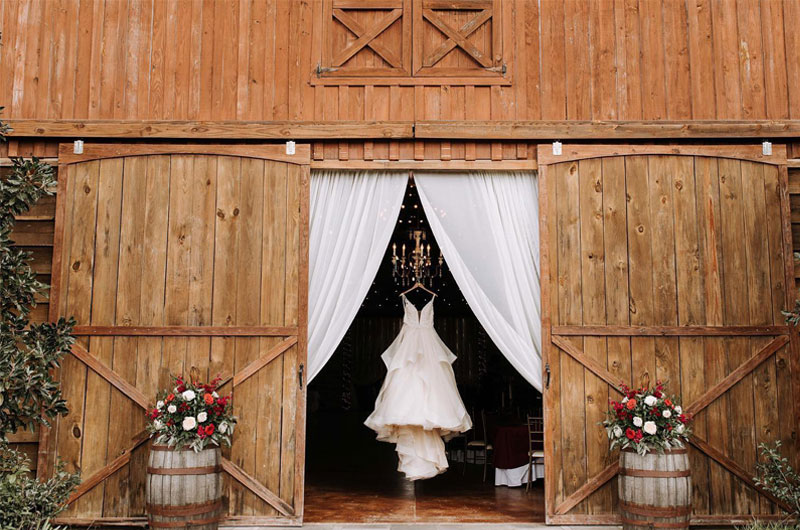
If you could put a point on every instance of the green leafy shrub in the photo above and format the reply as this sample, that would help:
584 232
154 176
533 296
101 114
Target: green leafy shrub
29 395
26 503
776 475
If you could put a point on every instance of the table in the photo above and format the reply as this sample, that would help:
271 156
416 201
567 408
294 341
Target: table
510 443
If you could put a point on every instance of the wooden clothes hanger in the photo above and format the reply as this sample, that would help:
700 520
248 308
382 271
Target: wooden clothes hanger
415 286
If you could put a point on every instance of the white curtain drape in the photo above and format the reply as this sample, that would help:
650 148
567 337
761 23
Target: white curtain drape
352 216
487 225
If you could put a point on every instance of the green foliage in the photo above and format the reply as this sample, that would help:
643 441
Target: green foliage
27 503
775 474
28 352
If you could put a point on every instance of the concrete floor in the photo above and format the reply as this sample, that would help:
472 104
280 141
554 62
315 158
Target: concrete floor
471 526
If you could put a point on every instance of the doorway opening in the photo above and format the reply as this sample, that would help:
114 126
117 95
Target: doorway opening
352 478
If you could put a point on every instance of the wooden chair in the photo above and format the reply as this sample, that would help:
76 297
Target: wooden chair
535 445
479 445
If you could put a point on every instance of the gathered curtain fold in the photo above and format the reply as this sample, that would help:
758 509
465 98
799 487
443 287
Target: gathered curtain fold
352 217
487 226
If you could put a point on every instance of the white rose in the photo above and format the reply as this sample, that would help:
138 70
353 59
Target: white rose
172 409
637 421
189 423
157 424
160 405
215 395
679 429
678 409
625 399
202 417
650 401
223 428
650 427
189 395
666 413
617 431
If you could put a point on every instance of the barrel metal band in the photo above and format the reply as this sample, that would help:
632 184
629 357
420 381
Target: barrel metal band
171 510
170 448
654 524
675 451
183 524
654 474
655 511
184 470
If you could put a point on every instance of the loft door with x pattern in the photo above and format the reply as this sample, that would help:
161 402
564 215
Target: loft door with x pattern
178 260
366 38
458 38
671 263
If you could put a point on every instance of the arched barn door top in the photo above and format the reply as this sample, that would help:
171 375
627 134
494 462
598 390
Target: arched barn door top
574 152
276 152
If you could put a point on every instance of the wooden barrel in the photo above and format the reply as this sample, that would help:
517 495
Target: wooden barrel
655 490
184 488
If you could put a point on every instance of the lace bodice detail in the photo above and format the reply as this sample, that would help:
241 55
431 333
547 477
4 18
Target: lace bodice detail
412 317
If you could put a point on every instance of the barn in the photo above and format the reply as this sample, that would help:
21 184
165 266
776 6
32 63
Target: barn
662 137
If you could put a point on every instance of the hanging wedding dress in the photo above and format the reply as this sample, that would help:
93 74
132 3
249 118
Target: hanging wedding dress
419 404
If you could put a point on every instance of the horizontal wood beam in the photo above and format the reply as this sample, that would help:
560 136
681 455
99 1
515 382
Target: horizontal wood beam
438 165
185 331
441 130
669 331
601 130
204 130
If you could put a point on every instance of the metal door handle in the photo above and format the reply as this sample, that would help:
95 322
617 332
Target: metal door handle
547 373
300 375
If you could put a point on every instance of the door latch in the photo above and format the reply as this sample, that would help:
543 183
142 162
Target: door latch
300 375
547 375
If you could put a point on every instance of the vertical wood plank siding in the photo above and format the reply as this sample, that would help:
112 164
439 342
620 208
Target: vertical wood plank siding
254 59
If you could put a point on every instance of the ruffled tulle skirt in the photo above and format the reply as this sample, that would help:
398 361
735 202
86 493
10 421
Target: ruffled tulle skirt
419 406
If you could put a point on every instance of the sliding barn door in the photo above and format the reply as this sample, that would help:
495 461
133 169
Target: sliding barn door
180 259
670 263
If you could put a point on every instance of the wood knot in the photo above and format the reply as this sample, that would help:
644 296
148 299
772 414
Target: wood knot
76 431
235 212
87 189
679 185
220 214
640 229
76 266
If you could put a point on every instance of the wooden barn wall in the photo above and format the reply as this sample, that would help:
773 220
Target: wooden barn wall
253 60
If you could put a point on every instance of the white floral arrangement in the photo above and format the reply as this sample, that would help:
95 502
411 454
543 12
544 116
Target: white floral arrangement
192 415
645 420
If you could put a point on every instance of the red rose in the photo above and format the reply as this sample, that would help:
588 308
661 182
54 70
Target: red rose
200 432
657 394
667 402
170 398
208 398
631 404
629 433
638 436
209 429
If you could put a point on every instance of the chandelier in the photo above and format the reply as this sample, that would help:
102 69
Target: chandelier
416 264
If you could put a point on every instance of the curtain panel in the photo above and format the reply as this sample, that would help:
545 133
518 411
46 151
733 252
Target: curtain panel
487 225
352 217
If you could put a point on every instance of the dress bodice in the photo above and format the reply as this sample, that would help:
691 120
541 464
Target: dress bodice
412 317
